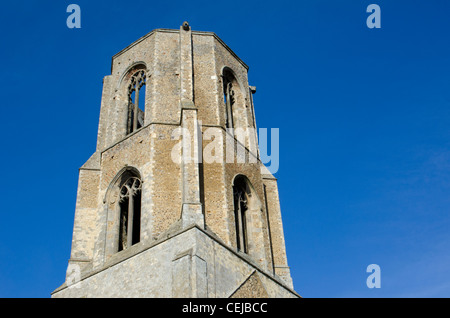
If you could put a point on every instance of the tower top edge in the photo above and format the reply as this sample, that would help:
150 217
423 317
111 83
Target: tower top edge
162 30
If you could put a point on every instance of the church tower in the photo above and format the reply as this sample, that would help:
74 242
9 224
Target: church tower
172 203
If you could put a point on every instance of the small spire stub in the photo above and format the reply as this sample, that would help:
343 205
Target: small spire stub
185 26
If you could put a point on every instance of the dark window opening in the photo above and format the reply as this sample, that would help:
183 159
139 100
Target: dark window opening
229 98
137 218
240 217
136 102
130 213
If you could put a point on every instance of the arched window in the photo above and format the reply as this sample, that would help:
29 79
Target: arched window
241 198
228 96
136 101
130 213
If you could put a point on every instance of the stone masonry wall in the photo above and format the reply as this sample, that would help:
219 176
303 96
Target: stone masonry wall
159 265
188 264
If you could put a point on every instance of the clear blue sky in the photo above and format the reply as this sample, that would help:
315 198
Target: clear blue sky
364 119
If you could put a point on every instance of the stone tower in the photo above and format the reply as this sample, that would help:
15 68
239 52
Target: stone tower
172 203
